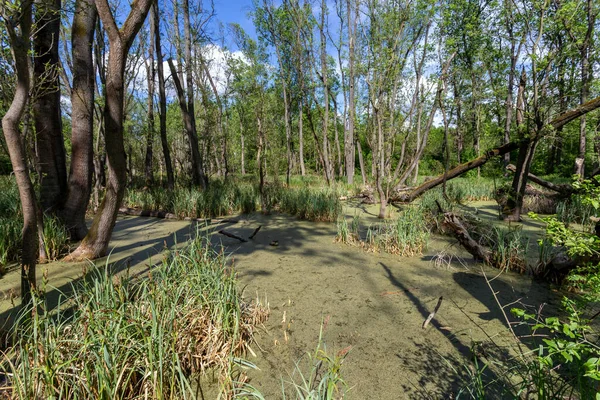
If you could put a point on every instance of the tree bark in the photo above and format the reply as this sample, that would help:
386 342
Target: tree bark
162 99
198 177
349 136
585 82
20 46
198 174
150 72
50 149
95 244
82 119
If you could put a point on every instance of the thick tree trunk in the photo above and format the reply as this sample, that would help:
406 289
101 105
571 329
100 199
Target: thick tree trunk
46 107
162 98
514 203
82 119
95 244
20 46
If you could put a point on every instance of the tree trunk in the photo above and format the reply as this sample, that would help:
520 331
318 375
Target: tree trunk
556 123
301 139
243 149
162 98
150 72
20 46
95 244
198 169
46 107
198 177
361 162
325 128
514 203
82 120
585 82
349 137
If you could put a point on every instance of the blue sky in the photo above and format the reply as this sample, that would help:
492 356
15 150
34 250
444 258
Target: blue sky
235 11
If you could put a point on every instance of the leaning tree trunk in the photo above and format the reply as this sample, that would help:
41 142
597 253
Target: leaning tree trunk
82 123
556 123
20 45
95 244
50 149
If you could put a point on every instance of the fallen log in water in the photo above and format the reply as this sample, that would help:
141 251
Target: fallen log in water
479 252
231 235
147 213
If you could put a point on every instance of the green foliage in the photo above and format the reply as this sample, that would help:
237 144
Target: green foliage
129 339
56 237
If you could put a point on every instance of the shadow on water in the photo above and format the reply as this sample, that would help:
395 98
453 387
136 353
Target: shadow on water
287 243
450 373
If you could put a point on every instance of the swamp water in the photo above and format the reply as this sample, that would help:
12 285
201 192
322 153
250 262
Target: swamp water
374 303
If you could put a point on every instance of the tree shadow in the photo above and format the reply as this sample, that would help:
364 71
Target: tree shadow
448 373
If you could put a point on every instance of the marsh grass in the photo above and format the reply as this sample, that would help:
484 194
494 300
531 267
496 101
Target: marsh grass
229 197
406 236
56 238
119 338
510 248
574 211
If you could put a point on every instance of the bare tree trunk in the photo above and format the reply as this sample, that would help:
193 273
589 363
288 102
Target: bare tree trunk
261 171
361 162
349 137
189 124
162 98
198 169
20 46
301 138
46 107
586 73
325 128
82 119
150 72
526 151
243 149
95 244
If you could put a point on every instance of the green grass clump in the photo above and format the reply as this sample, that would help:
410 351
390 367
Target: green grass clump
129 339
407 236
221 198
311 204
56 237
575 211
228 197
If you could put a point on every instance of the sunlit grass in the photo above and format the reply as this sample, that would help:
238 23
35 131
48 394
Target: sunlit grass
126 339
